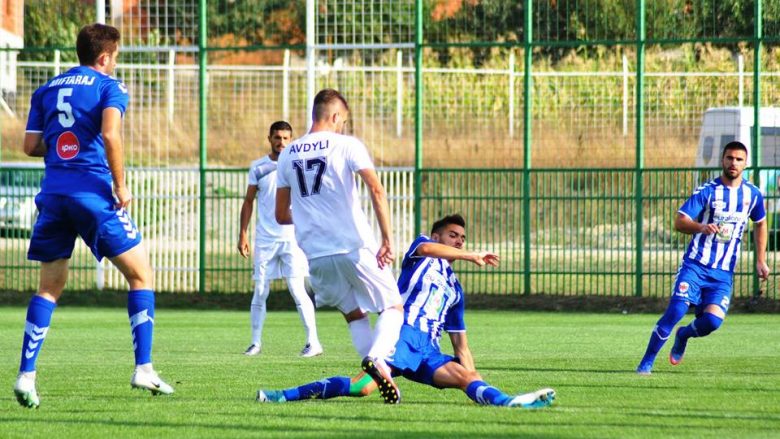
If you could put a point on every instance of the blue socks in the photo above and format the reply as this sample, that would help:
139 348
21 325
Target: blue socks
140 309
485 394
673 314
39 313
704 325
325 389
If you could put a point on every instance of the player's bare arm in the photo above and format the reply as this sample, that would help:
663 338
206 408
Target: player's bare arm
282 211
441 251
246 216
379 200
111 129
686 225
33 145
760 239
460 349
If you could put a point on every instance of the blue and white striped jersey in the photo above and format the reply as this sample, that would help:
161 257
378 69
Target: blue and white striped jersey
729 208
433 296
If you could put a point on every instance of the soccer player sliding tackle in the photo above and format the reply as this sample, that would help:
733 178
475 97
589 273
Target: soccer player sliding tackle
434 301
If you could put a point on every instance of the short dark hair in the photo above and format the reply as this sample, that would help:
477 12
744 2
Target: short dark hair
279 125
94 40
447 220
731 146
322 101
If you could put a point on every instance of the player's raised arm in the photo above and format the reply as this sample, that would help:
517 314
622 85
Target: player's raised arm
441 251
379 200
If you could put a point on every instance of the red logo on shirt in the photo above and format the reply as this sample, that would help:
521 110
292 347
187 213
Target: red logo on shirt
67 145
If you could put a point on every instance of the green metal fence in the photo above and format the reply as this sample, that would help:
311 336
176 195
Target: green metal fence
566 131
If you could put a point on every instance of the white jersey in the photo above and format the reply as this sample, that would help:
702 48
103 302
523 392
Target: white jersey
319 168
262 174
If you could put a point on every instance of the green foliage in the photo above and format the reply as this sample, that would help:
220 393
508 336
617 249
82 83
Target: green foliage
50 24
263 22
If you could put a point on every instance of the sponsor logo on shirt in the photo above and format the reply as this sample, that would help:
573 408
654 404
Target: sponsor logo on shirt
67 145
719 204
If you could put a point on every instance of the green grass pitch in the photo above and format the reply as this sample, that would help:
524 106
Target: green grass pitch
727 386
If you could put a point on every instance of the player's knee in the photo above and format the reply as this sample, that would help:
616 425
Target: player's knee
468 377
707 324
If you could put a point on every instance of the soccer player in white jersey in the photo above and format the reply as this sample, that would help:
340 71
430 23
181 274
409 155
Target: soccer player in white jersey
434 301
348 270
276 253
716 215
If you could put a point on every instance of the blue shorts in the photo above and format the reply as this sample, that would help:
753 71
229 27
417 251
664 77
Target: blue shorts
416 358
108 232
701 286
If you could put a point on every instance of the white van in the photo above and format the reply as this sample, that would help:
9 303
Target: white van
725 124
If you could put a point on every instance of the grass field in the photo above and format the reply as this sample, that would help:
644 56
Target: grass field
728 385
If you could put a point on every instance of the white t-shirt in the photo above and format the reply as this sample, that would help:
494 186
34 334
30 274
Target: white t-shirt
319 168
262 174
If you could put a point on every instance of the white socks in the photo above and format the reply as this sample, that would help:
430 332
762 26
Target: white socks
386 333
361 335
305 308
257 310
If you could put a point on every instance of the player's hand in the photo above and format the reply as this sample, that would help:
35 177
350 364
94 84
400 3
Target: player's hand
709 229
243 246
486 258
762 270
384 257
123 196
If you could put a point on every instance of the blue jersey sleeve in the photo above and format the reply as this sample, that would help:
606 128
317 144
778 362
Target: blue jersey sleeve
411 253
36 117
696 203
454 321
757 213
114 94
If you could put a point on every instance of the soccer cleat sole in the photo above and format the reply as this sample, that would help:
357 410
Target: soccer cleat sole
27 399
387 389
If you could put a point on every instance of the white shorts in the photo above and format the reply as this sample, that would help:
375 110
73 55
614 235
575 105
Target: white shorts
353 280
279 259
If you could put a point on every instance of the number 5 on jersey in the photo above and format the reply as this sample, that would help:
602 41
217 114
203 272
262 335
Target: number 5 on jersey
303 167
66 111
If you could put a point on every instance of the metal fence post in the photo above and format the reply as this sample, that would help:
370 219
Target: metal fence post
202 121
286 86
399 93
527 119
171 85
511 92
640 146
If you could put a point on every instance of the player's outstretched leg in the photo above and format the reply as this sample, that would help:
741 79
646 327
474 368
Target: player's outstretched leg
485 394
534 400
140 309
332 387
378 370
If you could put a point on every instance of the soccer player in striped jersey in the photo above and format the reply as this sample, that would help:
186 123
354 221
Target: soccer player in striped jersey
434 302
717 216
75 124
